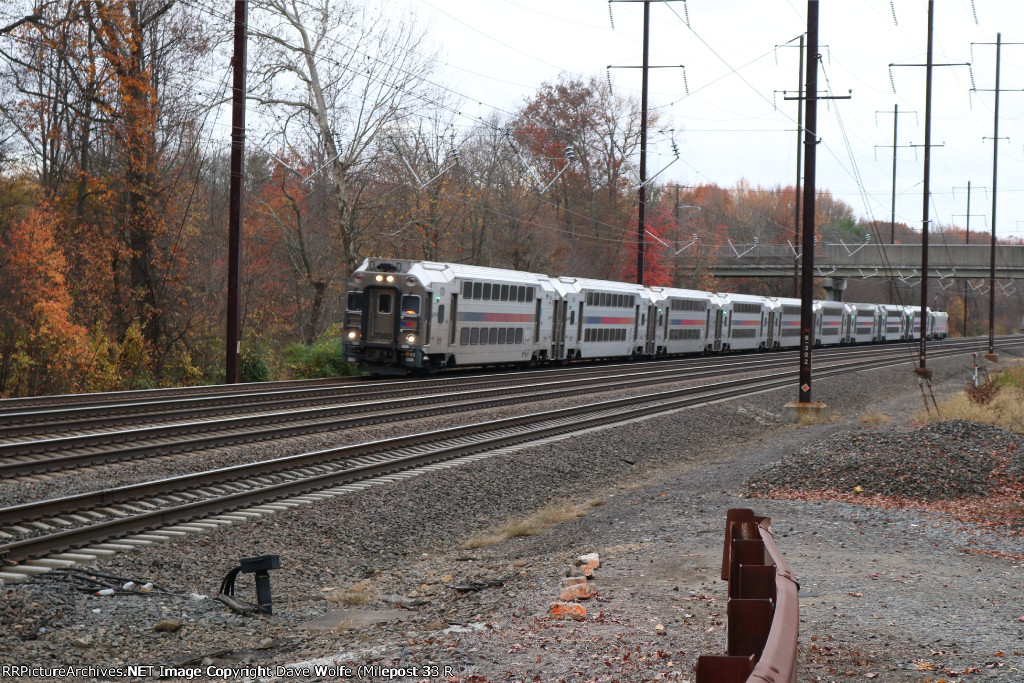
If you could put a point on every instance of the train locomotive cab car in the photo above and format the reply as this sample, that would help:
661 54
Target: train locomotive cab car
938 324
912 322
420 316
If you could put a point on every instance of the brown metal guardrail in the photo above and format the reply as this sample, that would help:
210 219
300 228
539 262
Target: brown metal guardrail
763 610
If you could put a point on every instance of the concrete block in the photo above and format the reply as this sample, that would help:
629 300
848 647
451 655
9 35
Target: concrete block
51 562
27 570
185 528
585 565
76 557
794 411
115 547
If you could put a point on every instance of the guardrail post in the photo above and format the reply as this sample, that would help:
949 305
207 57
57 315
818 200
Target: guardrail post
712 669
749 623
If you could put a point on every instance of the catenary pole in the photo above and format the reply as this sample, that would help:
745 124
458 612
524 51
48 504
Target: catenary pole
642 191
810 143
995 169
799 158
238 59
922 366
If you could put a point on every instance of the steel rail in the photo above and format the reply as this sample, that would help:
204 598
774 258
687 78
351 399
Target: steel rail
60 409
42 509
402 409
554 422
368 391
121 453
114 397
87 417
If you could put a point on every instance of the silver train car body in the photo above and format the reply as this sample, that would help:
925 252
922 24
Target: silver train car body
420 316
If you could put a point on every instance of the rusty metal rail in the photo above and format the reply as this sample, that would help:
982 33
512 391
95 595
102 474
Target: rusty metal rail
763 610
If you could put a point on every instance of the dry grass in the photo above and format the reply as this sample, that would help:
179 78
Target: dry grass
532 525
1005 409
816 418
875 419
358 594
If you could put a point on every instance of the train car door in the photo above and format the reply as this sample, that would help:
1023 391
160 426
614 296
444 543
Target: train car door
558 330
453 319
381 319
770 341
579 325
718 329
652 330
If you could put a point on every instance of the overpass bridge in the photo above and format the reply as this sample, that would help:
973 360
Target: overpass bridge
901 261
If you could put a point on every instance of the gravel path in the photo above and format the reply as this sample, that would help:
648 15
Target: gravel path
890 594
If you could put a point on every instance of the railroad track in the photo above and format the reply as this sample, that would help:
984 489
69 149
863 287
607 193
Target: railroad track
33 417
89 418
378 405
143 513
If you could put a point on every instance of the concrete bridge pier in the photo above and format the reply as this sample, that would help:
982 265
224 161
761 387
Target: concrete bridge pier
834 288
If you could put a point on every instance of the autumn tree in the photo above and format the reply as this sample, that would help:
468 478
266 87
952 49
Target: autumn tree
659 226
339 75
589 189
106 99
41 349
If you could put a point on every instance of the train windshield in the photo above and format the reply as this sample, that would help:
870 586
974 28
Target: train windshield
355 301
410 304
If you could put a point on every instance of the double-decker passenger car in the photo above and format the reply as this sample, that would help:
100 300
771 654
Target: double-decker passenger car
692 321
744 322
420 316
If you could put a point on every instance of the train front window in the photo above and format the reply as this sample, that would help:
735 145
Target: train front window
384 303
410 304
355 301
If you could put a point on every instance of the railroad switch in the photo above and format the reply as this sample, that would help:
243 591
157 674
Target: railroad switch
260 567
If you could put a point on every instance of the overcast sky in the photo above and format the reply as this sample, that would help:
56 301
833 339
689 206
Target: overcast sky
729 117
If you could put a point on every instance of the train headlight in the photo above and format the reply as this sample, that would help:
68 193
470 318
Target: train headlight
411 338
352 334
390 278
379 278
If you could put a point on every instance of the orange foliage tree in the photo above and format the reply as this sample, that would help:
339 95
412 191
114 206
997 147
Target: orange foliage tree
41 349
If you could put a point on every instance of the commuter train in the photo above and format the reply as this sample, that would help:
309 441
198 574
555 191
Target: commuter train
420 316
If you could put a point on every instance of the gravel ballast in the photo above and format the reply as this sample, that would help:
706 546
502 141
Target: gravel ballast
889 594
